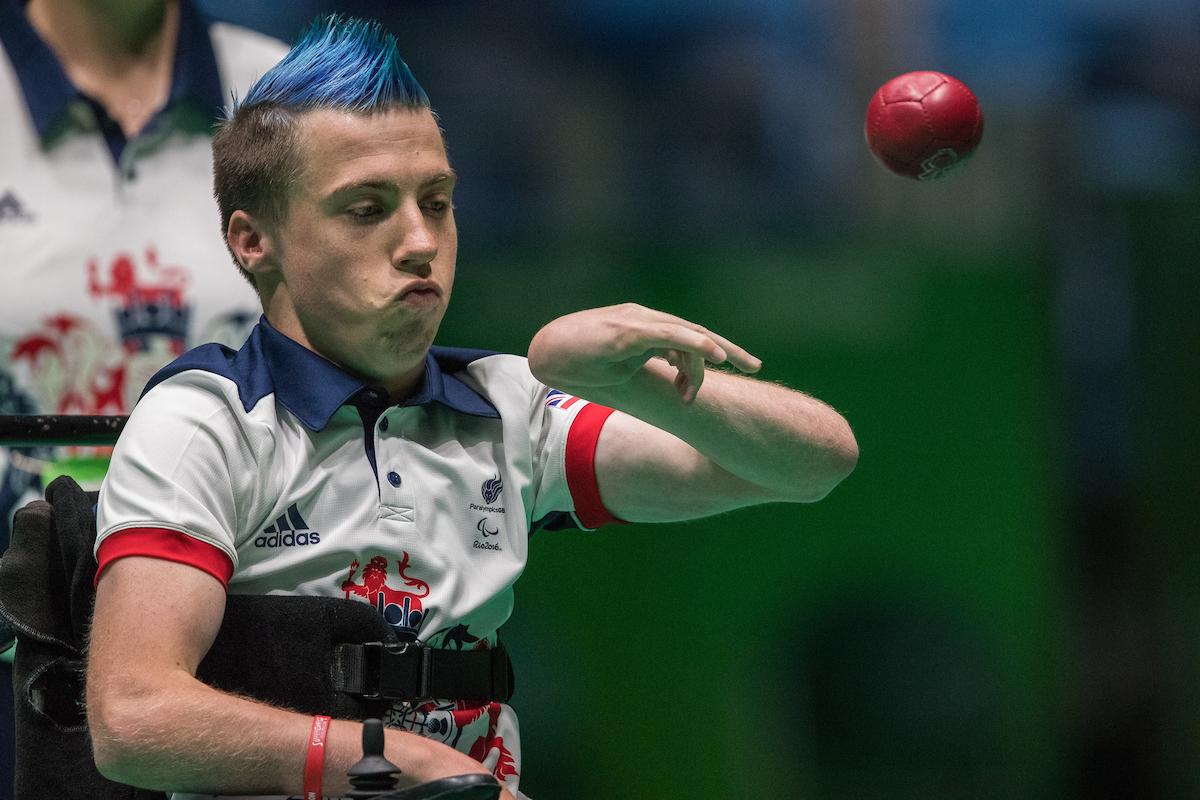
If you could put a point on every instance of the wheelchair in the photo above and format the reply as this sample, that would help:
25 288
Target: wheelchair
46 599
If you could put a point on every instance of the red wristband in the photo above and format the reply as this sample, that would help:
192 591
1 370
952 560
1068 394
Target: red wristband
314 764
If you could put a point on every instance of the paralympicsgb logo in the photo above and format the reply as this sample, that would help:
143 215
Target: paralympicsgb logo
491 489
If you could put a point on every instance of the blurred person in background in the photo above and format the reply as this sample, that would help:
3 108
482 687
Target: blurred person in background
112 261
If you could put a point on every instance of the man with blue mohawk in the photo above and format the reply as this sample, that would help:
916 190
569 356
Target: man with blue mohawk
340 453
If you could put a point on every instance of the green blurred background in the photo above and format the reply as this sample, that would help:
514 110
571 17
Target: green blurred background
901 638
1001 601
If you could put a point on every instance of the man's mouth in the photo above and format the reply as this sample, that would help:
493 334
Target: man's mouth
421 291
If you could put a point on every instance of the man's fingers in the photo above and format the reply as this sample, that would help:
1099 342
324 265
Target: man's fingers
737 356
740 358
689 372
692 374
670 336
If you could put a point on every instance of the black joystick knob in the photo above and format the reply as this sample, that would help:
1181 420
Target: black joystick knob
373 775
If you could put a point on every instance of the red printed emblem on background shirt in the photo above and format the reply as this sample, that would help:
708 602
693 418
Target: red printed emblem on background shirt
71 366
148 308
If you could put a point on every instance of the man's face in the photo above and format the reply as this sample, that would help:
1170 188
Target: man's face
366 253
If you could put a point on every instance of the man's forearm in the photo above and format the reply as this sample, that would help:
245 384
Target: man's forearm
185 736
787 442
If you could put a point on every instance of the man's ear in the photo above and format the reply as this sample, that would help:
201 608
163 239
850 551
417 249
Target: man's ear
252 244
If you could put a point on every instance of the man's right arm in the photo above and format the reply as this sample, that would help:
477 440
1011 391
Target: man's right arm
154 725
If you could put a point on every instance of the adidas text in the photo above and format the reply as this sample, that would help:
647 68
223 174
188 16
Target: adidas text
289 539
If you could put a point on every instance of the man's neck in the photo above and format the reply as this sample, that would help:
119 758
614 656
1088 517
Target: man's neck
119 52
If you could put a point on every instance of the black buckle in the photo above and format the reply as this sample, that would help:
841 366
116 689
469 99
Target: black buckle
416 673
398 671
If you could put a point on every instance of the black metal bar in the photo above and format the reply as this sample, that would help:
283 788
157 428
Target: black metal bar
27 430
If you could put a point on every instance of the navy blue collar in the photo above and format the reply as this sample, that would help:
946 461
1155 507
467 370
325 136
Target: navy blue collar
313 388
49 95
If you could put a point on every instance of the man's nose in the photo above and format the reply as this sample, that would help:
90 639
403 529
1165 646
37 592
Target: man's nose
418 244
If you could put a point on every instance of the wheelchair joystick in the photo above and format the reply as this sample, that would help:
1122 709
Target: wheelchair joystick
375 778
373 775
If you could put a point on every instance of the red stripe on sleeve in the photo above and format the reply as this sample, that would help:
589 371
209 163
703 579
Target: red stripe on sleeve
168 545
581 466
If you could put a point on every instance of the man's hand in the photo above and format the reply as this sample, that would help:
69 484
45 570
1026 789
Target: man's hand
608 346
428 759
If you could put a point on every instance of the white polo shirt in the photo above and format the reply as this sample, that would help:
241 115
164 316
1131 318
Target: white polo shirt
277 473
111 265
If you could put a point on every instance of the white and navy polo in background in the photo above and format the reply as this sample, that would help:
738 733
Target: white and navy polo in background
275 472
112 261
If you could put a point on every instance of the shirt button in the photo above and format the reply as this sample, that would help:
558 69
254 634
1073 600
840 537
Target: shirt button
394 479
383 424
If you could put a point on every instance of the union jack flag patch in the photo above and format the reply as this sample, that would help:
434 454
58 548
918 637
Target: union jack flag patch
557 398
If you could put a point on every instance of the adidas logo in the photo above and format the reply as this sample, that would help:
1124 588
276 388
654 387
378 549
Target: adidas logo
12 210
290 530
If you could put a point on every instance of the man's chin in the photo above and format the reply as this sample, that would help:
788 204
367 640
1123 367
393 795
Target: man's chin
414 333
403 349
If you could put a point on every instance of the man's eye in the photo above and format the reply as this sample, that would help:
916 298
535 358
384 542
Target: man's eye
437 207
365 211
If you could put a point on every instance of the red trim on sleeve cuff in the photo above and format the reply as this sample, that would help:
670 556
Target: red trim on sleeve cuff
581 466
168 545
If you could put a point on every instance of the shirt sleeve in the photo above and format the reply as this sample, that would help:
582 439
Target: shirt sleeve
179 470
566 429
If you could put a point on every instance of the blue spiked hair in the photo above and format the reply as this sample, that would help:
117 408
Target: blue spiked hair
349 64
338 63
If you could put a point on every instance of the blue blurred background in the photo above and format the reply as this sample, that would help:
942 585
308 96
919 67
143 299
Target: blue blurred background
1003 601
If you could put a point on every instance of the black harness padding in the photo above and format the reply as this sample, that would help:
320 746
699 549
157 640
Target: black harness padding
46 595
278 650
47 572
314 655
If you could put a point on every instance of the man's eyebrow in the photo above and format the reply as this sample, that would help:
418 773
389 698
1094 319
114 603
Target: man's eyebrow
351 186
442 177
381 184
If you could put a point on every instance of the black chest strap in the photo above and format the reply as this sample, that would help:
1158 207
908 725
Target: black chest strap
416 673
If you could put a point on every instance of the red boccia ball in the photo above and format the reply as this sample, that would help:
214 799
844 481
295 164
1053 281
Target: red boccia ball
923 125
